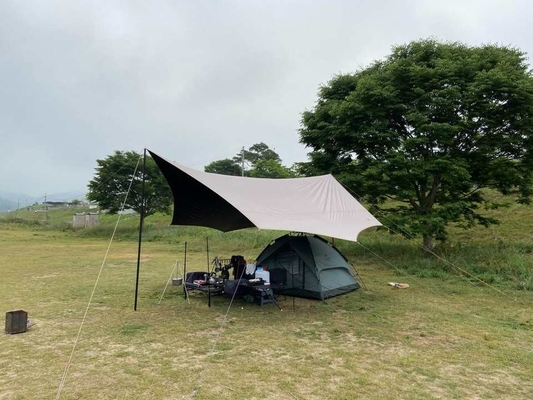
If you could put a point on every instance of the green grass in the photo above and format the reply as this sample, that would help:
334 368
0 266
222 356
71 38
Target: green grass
448 336
441 338
501 254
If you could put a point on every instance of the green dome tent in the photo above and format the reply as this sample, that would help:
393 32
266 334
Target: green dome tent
308 266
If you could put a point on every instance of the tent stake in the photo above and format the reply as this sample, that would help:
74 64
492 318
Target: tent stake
140 234
360 277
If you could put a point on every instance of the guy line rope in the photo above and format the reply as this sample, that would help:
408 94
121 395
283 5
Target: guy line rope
68 364
219 334
410 237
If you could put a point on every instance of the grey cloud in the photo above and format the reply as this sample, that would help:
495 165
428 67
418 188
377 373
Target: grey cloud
194 81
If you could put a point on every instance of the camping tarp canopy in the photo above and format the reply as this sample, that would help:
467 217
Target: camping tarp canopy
319 204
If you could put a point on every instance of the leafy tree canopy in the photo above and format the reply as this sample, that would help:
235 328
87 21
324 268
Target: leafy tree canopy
112 179
428 128
270 169
258 152
224 167
260 161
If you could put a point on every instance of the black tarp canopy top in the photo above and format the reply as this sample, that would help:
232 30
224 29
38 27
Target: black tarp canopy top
319 205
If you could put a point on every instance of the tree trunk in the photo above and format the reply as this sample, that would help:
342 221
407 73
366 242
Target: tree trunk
428 242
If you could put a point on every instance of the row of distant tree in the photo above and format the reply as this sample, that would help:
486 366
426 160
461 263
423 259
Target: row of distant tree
259 161
417 136
121 173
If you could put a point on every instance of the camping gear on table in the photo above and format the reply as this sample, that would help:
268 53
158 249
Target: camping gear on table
203 282
309 266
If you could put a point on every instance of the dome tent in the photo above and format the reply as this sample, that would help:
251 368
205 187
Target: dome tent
309 265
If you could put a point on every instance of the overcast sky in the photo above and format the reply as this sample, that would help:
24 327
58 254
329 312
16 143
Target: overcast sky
194 81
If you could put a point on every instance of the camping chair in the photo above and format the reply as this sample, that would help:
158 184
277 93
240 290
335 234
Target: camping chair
278 280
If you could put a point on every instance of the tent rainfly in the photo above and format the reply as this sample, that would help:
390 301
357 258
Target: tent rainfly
307 266
318 205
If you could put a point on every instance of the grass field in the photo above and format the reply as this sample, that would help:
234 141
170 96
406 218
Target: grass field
445 337
439 339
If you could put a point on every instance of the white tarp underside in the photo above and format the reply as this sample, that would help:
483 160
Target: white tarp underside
319 205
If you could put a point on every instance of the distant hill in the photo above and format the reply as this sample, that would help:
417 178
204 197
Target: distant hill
6 204
67 196
10 200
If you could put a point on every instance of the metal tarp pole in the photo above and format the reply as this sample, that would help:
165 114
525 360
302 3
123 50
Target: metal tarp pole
185 273
208 274
140 233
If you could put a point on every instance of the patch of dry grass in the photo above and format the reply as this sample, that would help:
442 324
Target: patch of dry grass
436 340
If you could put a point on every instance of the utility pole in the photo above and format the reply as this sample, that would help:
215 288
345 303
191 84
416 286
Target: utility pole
242 161
45 209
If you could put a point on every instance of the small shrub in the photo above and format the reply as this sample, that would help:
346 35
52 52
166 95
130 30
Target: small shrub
525 284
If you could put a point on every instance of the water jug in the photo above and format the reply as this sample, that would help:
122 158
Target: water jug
262 274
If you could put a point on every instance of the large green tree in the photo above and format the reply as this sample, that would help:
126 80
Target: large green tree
112 179
258 152
260 161
421 133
